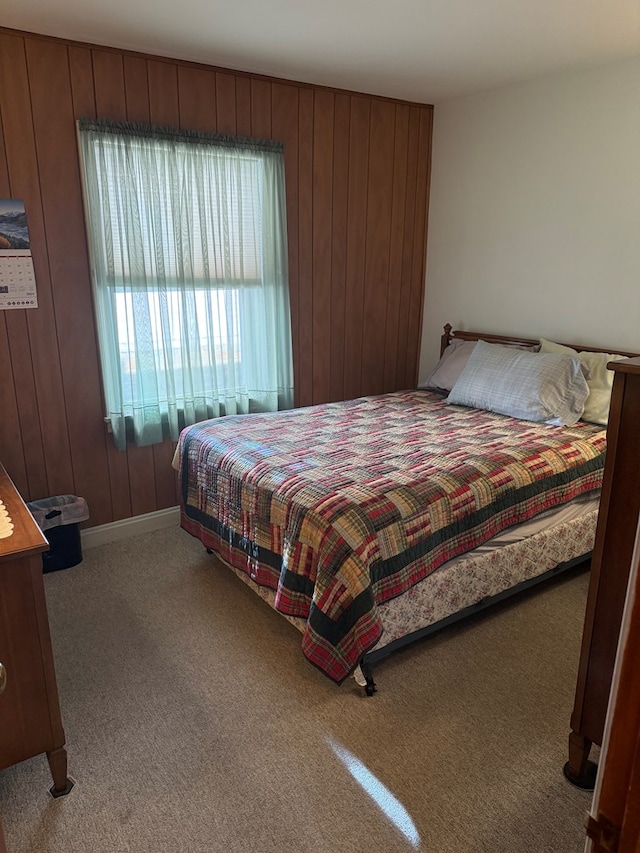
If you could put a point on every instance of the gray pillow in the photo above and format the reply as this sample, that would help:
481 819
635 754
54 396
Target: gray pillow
446 372
448 369
543 387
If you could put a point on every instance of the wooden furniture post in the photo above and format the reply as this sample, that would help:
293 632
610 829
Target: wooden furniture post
610 566
614 821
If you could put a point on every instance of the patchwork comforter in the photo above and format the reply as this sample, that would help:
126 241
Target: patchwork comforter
342 506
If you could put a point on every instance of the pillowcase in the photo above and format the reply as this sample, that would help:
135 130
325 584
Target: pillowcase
450 366
453 360
547 388
600 381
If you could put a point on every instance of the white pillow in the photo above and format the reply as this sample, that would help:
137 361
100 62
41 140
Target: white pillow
600 381
547 388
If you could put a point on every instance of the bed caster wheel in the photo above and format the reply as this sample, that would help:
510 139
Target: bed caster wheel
364 678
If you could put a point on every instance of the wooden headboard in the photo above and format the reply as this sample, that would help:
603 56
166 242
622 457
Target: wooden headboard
459 335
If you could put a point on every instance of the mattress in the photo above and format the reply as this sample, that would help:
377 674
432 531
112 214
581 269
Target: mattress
520 554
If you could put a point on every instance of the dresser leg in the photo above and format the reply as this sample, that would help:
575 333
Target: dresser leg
578 769
58 765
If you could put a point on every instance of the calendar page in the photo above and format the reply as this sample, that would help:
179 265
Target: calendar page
17 279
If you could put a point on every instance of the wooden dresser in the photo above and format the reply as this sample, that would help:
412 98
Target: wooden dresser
30 721
610 568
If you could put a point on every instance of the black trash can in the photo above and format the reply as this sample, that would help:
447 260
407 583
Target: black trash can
59 519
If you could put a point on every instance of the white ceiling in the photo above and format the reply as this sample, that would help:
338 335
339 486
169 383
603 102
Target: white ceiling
420 50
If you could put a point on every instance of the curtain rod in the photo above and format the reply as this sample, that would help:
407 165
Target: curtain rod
175 134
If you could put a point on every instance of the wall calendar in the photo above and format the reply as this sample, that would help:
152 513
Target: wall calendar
17 279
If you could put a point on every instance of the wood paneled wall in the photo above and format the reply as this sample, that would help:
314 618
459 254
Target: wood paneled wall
357 173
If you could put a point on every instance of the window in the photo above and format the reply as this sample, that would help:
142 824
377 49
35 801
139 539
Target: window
187 239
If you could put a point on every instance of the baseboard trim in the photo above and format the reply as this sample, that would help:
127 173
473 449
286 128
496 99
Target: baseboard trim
116 531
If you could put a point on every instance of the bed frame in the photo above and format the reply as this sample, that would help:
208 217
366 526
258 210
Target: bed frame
451 334
368 660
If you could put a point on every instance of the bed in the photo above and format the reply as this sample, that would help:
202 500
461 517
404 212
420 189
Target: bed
371 523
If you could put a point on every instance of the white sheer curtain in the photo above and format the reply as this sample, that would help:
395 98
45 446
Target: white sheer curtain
187 238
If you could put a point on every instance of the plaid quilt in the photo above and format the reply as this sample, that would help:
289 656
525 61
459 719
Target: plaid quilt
342 506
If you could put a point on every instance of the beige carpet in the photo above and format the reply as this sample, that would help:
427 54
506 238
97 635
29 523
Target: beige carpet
194 723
